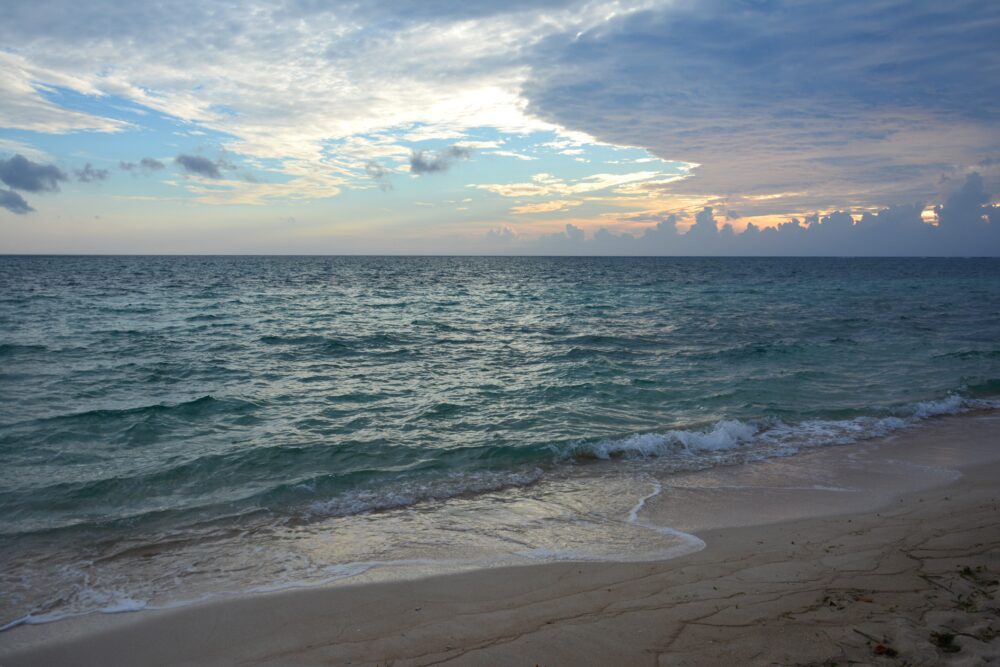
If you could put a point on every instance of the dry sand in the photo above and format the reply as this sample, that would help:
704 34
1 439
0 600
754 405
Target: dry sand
908 577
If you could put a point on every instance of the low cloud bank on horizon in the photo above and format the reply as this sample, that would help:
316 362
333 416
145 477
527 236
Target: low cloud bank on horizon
553 126
966 225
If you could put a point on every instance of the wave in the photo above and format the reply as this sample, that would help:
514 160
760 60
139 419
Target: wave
609 340
11 349
988 388
300 340
284 479
326 346
972 354
122 427
711 445
442 410
584 353
206 317
346 480
195 407
773 436
331 346
453 485
725 434
129 310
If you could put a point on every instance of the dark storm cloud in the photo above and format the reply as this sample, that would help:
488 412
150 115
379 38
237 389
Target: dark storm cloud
20 173
14 202
428 162
195 164
145 165
89 174
862 101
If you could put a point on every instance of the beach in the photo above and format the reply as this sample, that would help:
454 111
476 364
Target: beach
902 568
576 332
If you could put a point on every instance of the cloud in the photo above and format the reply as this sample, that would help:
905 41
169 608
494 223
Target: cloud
360 68
427 162
967 224
14 202
574 234
543 184
378 174
23 89
89 174
195 164
550 206
27 150
500 236
20 173
513 154
781 107
846 103
146 165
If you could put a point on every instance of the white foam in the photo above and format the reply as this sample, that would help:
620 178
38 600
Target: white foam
118 605
124 605
334 573
633 515
775 437
947 406
726 434
557 554
689 543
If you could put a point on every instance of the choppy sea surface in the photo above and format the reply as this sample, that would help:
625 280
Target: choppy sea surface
175 428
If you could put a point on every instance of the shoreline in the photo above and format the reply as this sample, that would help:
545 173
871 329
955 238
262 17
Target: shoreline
801 580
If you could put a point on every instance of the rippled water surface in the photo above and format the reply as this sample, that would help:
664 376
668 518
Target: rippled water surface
197 409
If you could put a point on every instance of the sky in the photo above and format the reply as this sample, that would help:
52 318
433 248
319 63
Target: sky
625 127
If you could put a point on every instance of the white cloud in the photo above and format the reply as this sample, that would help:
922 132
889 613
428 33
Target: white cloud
24 107
286 80
27 150
550 206
544 185
513 154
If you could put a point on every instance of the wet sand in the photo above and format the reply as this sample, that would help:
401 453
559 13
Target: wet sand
885 552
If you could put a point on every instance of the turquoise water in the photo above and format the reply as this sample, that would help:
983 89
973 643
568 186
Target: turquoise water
148 402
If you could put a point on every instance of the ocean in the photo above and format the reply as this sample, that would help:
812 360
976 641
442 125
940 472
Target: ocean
174 429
